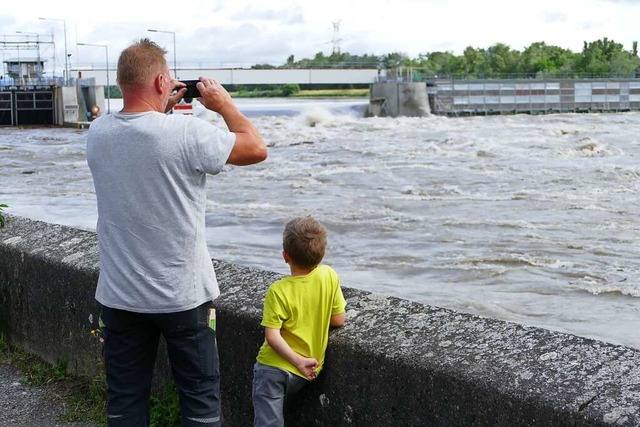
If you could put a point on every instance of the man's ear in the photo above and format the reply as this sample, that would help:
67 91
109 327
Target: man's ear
161 83
285 256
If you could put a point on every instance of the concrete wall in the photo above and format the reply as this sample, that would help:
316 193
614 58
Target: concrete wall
395 363
408 99
89 96
70 104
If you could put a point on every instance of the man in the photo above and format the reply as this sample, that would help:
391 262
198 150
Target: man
156 277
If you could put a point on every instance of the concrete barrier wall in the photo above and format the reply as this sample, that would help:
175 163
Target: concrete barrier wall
395 363
407 99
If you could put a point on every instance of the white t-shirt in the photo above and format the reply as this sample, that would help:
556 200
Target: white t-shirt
149 172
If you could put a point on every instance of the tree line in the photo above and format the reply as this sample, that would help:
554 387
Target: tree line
602 57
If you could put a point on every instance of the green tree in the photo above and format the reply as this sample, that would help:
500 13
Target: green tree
597 56
394 60
624 63
439 63
501 59
542 58
290 61
474 62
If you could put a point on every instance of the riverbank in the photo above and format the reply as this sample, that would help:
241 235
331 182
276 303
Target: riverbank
340 93
307 94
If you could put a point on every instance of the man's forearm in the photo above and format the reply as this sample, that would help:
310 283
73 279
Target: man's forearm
249 147
236 121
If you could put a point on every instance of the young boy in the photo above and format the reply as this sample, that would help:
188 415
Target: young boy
298 311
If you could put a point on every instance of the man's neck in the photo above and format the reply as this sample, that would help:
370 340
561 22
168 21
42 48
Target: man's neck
141 103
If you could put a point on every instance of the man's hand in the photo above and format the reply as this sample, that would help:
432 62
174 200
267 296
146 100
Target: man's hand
174 98
213 96
249 147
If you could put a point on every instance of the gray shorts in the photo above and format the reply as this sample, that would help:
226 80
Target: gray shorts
271 387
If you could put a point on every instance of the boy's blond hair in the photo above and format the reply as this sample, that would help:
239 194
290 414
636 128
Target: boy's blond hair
140 63
305 241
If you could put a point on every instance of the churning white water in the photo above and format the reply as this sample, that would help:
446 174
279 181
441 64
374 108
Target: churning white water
532 219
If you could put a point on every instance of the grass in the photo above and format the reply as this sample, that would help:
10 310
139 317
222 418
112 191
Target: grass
346 93
165 408
319 93
35 371
84 398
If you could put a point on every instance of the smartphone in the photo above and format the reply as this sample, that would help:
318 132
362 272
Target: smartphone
192 90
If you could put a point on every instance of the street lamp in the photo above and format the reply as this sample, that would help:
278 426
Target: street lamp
38 65
66 56
106 51
175 70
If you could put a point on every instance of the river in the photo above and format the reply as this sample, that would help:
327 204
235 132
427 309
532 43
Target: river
530 219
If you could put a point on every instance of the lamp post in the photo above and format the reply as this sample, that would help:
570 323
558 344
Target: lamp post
106 52
175 69
38 65
66 56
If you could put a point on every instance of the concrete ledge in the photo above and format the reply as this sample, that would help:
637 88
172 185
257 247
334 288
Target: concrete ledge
394 363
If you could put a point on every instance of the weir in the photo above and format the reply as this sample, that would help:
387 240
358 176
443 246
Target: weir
394 363
36 102
450 97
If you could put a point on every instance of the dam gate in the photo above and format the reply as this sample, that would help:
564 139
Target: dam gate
27 106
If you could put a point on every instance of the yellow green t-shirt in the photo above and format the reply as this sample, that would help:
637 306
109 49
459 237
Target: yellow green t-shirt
301 307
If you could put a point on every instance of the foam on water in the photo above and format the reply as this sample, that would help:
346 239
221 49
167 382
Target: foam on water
596 286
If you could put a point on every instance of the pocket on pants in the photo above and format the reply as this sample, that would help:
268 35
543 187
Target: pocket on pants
208 347
269 382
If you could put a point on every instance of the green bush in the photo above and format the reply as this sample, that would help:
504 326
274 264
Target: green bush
165 408
290 89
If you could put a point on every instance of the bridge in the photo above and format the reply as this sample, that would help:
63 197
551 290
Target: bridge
247 76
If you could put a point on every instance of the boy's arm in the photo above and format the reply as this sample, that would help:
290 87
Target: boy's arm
337 320
306 365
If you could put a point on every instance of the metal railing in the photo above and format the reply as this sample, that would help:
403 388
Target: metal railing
40 81
419 75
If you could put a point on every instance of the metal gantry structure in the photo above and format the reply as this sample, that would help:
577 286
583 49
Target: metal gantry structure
66 54
19 64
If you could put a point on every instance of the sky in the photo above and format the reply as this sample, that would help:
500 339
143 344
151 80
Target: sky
226 33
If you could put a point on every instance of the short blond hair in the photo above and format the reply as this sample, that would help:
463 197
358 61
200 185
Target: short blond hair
140 63
305 241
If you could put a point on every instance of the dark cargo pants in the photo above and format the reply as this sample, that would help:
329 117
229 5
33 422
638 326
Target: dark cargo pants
130 347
